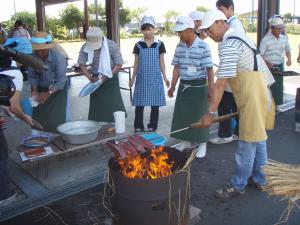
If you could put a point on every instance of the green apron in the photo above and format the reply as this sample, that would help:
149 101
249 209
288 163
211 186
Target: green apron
277 87
106 100
53 112
191 103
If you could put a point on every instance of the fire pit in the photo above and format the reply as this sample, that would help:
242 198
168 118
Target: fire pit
150 188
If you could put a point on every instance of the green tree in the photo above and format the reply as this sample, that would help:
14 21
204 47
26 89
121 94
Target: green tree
29 19
288 18
71 16
55 27
137 14
170 17
125 14
201 8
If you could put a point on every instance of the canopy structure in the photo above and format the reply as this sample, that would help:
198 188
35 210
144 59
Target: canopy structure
112 15
266 8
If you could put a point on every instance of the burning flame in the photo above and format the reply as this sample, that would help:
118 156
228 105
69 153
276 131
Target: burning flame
154 166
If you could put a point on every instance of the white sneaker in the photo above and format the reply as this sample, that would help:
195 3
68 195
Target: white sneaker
235 137
278 108
219 140
201 151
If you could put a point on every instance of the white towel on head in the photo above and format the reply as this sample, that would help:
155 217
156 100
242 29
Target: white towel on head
104 62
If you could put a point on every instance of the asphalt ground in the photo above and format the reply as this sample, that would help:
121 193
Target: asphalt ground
252 208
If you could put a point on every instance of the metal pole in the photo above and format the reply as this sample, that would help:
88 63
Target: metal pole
16 10
252 15
97 13
294 11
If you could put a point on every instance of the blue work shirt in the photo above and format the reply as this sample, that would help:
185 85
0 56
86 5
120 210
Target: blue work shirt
55 77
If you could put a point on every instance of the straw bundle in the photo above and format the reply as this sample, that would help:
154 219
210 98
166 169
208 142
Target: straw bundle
283 180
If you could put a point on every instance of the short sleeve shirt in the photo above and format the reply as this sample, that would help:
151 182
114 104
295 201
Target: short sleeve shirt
18 77
236 24
194 60
114 52
142 44
272 49
236 57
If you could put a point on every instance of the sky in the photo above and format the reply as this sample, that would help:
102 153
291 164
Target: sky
156 8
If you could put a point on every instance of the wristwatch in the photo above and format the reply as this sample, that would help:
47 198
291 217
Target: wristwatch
213 114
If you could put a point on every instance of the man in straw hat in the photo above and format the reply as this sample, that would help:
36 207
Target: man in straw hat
193 65
106 60
244 69
274 47
49 87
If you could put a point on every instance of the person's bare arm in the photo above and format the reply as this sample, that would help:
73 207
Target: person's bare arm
86 73
174 81
135 65
163 69
210 78
16 109
289 58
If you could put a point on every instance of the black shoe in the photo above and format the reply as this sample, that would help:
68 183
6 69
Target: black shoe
151 130
228 192
138 130
251 183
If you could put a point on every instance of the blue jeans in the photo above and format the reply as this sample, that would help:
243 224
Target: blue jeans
250 158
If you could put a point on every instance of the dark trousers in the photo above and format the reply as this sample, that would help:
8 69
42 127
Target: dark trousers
226 106
4 175
139 117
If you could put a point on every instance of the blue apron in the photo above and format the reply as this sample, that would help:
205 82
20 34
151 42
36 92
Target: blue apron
149 89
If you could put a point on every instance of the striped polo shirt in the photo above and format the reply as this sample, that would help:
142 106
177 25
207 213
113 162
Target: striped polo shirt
236 57
193 60
272 49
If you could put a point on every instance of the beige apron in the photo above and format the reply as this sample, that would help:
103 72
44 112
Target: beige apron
255 113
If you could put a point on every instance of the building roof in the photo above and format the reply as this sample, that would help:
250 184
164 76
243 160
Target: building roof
52 2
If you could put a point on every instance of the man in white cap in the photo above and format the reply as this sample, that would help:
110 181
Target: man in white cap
273 48
243 68
193 65
106 60
226 133
198 17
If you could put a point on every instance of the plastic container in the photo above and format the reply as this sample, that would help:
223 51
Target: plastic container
155 139
120 122
26 106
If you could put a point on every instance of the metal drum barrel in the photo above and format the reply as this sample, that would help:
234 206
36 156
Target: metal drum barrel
163 201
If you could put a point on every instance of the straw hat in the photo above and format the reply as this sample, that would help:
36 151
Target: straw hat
42 40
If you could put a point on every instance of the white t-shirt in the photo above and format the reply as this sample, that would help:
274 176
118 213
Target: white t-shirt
18 77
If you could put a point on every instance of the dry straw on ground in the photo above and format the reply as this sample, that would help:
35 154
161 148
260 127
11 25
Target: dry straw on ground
283 181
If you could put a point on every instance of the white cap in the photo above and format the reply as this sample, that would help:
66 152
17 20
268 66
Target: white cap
276 22
148 20
196 15
93 38
212 16
183 23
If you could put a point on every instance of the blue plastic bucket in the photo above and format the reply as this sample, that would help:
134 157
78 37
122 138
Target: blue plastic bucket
155 139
